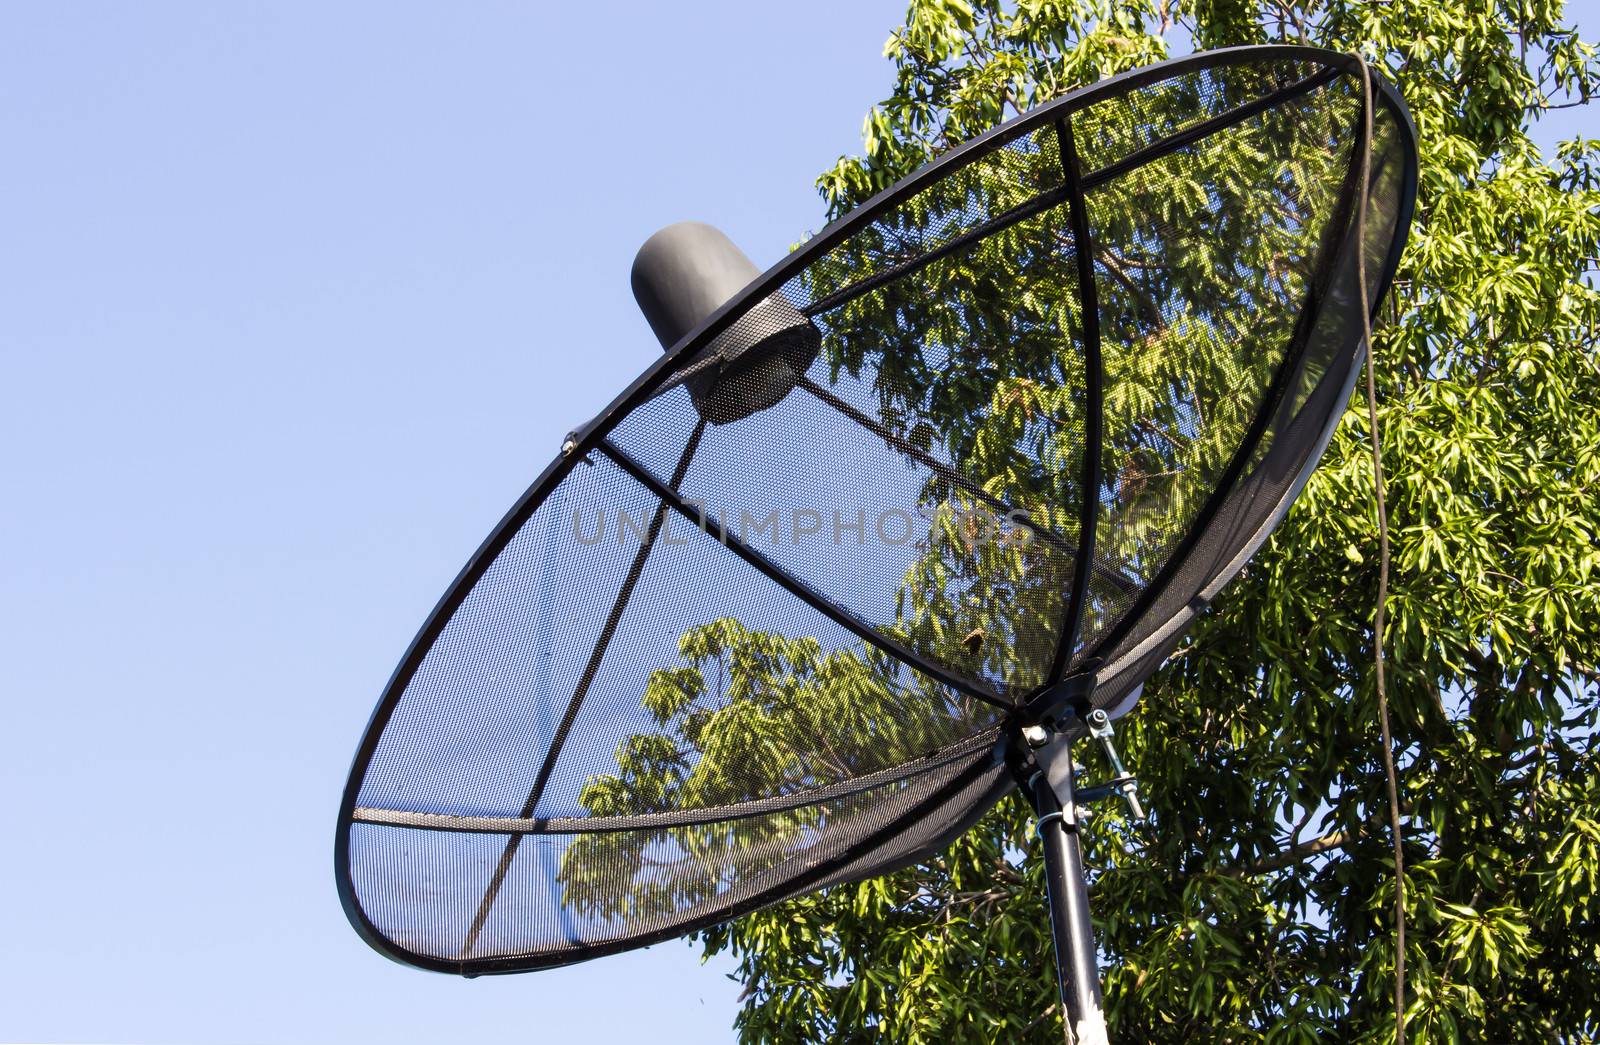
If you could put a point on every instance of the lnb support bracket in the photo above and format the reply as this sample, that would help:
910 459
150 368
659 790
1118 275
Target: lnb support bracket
1051 749
1123 782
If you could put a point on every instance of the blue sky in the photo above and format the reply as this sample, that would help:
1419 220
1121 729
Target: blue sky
294 301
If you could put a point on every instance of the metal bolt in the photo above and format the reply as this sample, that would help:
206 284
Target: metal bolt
1036 736
1100 729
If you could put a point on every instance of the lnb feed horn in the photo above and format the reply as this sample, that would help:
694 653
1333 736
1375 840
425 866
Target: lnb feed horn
683 274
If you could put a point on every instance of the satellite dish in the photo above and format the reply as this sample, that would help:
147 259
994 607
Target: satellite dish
887 526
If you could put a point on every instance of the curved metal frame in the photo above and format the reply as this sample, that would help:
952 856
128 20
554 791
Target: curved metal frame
662 371
1094 403
1323 275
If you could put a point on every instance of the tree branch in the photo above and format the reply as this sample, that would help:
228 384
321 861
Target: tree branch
1305 850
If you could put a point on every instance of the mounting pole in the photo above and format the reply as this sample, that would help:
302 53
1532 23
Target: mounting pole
1077 973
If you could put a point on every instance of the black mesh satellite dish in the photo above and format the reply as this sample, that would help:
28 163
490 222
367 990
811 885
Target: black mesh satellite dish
886 525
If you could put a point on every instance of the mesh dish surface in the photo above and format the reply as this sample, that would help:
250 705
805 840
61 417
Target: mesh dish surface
741 642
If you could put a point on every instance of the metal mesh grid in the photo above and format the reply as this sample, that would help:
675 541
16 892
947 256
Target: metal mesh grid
1204 261
851 484
567 893
834 554
706 649
1121 127
1316 389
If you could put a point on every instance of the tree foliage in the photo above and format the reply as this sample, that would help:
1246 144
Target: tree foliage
1256 903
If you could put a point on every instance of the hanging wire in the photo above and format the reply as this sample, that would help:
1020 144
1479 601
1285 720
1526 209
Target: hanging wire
1383 560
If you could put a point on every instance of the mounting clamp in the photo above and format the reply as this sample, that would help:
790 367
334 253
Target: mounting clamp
1061 706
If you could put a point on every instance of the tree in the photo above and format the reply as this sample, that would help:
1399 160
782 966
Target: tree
1257 903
